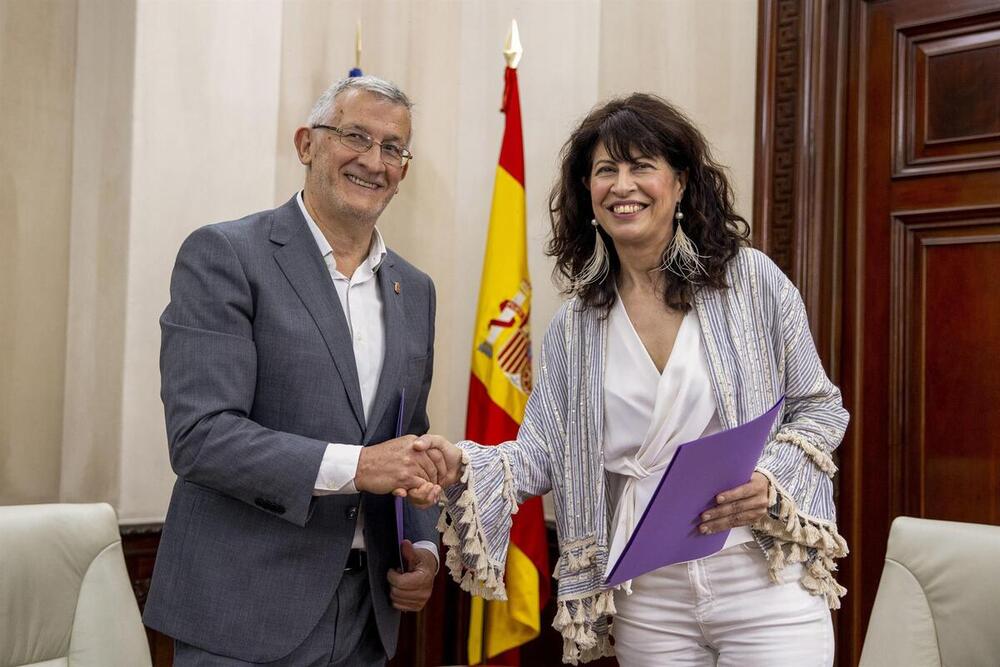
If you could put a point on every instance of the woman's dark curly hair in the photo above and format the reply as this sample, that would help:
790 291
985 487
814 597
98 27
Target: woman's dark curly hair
652 127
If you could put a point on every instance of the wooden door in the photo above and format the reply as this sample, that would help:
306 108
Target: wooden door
877 189
920 338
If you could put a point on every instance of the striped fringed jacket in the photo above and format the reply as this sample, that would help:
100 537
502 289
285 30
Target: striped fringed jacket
759 348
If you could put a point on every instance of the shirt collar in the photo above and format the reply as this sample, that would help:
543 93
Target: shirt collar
376 251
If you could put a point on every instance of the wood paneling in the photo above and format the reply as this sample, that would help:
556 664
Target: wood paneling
801 104
888 189
948 325
954 77
947 104
904 196
139 544
778 88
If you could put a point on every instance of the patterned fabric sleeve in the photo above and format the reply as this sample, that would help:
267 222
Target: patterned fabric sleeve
797 461
476 519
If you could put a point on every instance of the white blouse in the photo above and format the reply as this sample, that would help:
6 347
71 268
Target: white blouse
649 414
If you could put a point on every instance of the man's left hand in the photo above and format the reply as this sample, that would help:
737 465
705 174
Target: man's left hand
410 590
740 506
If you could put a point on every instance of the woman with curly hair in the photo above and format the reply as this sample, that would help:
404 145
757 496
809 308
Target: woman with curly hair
674 329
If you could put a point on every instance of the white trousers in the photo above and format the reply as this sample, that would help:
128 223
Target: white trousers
722 610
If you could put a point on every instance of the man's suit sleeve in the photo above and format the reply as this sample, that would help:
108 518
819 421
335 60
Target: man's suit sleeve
421 525
208 367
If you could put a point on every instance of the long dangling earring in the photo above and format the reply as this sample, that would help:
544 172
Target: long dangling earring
681 257
597 265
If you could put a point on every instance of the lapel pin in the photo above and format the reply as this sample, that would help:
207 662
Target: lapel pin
395 287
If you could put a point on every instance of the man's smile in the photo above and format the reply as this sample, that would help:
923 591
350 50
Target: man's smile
357 180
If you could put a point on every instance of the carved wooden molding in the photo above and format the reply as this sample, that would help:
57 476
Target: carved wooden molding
798 181
778 46
962 40
140 529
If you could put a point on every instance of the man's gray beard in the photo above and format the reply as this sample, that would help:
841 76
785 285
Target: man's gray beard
361 216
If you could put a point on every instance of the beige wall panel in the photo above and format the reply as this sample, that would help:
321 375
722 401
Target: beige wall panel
206 109
423 221
215 91
102 141
36 116
397 45
555 89
699 55
317 49
447 58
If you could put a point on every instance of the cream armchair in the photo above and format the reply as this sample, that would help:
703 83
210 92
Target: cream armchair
65 598
938 602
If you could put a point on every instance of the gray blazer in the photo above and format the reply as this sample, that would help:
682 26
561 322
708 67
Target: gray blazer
258 375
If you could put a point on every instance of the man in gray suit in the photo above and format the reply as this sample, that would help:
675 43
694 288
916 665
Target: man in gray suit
290 338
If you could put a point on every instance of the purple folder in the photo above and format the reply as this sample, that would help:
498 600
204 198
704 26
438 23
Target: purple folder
667 532
399 501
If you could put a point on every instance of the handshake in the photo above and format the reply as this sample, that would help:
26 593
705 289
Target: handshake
410 467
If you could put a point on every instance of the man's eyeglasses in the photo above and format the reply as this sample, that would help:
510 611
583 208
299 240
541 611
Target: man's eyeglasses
391 154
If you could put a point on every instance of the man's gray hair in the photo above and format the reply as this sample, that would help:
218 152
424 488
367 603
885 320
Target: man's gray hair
324 105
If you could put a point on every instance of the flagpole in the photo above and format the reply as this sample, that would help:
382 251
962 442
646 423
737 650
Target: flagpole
356 70
512 52
357 45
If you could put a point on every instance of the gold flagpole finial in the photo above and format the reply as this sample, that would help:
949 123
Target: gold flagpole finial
357 46
512 50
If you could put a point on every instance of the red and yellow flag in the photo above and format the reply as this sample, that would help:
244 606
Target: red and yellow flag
498 393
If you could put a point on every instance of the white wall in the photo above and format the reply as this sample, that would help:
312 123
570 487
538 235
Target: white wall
182 115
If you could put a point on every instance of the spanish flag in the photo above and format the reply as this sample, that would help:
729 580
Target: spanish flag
498 392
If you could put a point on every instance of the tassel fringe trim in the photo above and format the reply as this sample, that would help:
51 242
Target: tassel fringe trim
819 457
577 620
485 578
800 538
575 556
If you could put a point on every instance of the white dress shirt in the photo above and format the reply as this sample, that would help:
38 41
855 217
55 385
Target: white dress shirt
649 414
362 305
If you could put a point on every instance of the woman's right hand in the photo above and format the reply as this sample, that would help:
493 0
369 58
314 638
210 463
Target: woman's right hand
448 460
450 468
